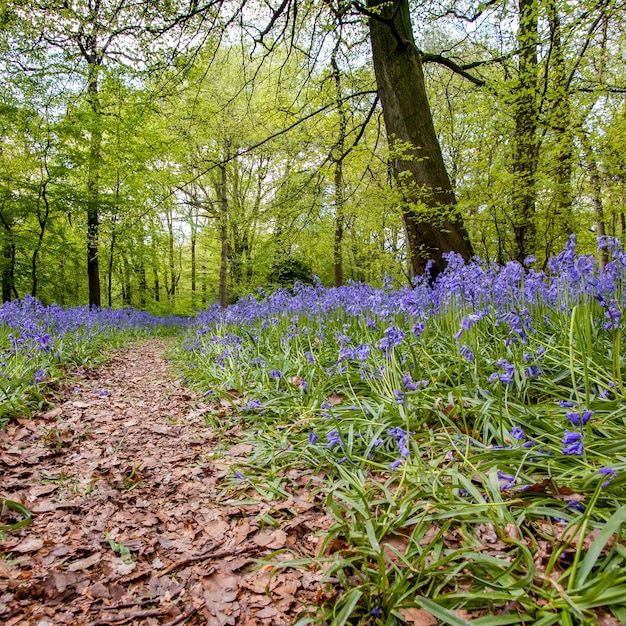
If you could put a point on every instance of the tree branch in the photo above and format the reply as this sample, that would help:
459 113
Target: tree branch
455 67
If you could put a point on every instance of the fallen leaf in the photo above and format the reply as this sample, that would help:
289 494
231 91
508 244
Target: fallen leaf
30 544
270 538
240 449
50 415
419 617
85 563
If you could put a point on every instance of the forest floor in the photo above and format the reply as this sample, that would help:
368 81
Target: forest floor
131 524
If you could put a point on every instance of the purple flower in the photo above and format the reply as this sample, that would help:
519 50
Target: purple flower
393 337
408 383
609 473
395 464
565 404
313 437
252 405
402 438
572 443
275 373
518 433
467 353
309 357
577 419
399 396
333 439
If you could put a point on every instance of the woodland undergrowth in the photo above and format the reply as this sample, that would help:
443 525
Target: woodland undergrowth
468 437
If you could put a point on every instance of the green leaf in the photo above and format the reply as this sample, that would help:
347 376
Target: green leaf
446 616
610 528
18 508
351 600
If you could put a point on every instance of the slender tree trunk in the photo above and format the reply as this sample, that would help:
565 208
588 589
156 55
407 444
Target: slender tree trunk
93 186
126 286
559 117
223 197
525 139
8 260
111 261
172 260
596 197
43 220
204 286
338 159
193 260
432 225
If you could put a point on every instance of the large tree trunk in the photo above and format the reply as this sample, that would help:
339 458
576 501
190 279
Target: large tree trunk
432 226
525 140
93 186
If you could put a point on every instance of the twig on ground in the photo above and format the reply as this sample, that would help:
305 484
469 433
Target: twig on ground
122 619
207 554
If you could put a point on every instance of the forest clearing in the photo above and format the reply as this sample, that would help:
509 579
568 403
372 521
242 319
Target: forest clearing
448 453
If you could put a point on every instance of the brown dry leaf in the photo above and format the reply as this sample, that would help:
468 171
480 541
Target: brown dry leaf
418 617
85 563
30 544
335 398
50 415
429 535
7 571
273 539
399 543
240 449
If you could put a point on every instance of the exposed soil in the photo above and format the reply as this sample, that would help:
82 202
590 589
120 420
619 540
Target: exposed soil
131 523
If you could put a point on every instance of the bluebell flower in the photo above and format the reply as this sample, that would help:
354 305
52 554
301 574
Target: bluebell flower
275 374
572 443
518 433
577 419
467 353
408 383
333 439
399 396
312 437
609 473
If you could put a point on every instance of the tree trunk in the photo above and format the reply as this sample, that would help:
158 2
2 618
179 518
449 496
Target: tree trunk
172 261
560 123
432 226
525 140
8 261
126 286
596 197
93 186
338 158
193 226
223 197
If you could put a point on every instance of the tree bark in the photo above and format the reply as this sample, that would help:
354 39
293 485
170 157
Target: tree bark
596 197
8 260
560 125
431 224
525 140
223 198
93 186
337 158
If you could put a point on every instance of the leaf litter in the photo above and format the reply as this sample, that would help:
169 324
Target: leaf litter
129 523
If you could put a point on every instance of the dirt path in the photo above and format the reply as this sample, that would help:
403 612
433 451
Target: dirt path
127 527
